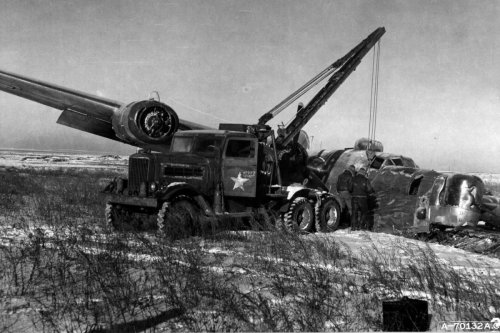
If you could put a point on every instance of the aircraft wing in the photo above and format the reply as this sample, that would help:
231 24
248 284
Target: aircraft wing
81 110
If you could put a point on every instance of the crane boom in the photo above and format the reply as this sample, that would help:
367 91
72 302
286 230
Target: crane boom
341 69
296 95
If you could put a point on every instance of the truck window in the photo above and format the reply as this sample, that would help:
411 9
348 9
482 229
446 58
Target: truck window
182 144
206 145
240 148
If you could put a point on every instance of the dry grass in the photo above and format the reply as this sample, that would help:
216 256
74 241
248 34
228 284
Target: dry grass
66 271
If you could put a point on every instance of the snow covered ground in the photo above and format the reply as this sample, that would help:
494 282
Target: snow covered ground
359 242
236 258
14 158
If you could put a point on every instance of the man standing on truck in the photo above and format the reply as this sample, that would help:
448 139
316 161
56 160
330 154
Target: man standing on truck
361 190
344 188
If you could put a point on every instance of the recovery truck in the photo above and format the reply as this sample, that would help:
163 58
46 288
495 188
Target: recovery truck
236 171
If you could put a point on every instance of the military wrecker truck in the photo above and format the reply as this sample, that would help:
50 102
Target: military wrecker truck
238 171
210 175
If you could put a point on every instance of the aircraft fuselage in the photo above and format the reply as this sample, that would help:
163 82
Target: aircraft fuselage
407 197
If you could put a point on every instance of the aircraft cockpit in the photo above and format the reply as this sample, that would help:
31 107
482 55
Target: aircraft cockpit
384 160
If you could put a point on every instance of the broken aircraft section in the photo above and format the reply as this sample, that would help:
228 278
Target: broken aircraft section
408 198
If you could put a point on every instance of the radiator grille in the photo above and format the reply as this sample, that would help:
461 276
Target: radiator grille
138 173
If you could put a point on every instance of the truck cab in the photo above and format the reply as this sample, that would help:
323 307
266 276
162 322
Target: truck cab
200 161
221 156
218 173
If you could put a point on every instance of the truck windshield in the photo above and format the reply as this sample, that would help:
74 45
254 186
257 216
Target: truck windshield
196 144
182 144
206 145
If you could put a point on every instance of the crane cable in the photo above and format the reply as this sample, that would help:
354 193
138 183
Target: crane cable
374 95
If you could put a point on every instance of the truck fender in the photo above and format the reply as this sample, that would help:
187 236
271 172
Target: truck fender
296 189
177 188
172 189
116 185
299 190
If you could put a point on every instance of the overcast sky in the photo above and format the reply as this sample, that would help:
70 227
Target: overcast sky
229 60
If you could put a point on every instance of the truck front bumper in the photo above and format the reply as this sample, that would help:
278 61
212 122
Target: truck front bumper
131 200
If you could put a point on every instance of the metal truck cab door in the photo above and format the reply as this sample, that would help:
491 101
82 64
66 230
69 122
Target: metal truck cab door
239 167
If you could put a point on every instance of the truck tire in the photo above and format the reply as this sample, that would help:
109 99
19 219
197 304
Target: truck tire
110 213
179 218
327 215
117 218
121 218
300 215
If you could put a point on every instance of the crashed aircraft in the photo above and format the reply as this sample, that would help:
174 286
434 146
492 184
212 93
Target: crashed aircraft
409 198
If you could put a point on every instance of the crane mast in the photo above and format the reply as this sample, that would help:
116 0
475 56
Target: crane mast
339 71
298 93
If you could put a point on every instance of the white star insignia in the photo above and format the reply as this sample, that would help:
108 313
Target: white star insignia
239 181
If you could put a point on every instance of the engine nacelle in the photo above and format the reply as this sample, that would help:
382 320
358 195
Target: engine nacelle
146 122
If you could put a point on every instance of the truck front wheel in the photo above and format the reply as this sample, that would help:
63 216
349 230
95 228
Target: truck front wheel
300 215
179 218
112 216
123 218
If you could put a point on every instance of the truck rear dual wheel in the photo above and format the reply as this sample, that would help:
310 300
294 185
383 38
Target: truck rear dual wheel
179 218
300 215
327 215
